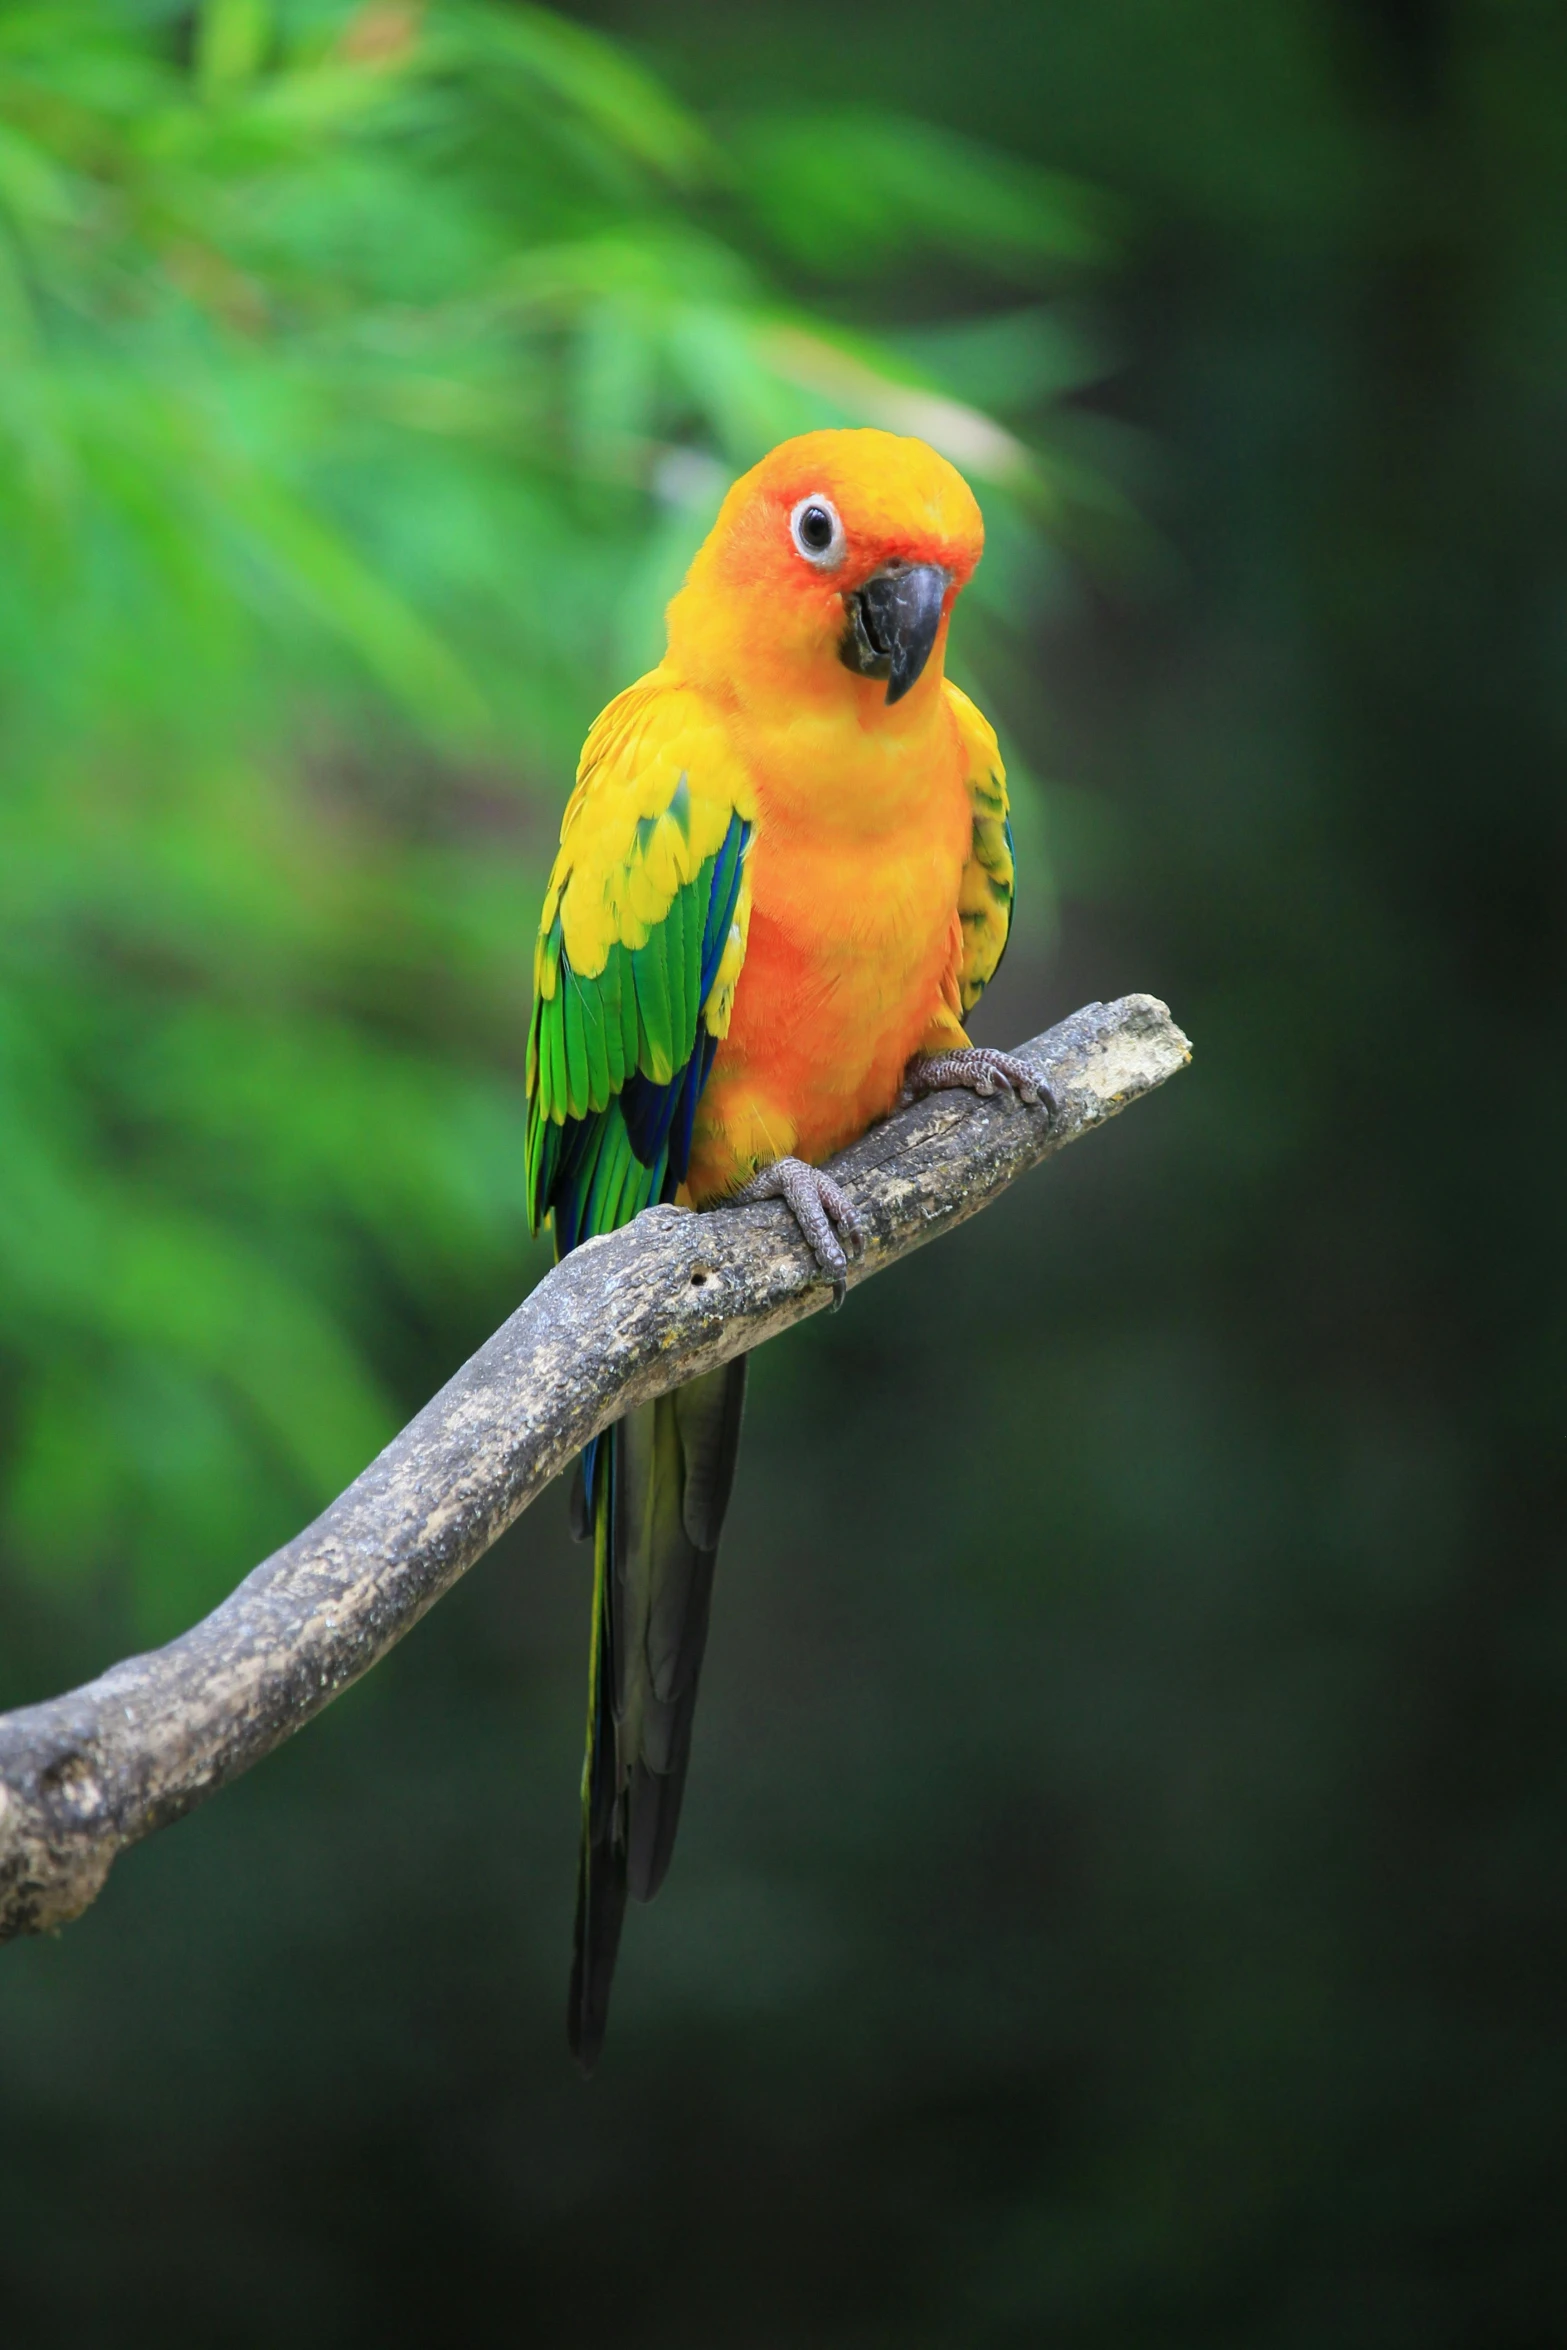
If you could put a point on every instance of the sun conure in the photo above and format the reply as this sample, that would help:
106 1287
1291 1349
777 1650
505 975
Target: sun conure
785 876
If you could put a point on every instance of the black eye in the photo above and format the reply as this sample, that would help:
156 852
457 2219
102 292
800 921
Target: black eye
816 530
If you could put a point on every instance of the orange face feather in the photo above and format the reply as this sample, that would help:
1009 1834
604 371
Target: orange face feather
760 624
863 807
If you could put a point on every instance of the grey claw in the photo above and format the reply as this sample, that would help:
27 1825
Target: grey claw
850 1230
817 1205
828 1253
979 1069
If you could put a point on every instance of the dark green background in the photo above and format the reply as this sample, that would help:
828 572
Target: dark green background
1122 1899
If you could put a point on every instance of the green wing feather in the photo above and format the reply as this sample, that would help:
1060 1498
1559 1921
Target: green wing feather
639 951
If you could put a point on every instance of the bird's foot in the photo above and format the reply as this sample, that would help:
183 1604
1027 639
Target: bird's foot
978 1068
821 1208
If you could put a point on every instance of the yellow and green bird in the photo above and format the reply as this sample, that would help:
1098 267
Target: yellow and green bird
785 876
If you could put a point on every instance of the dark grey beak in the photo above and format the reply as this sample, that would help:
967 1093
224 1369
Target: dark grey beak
893 621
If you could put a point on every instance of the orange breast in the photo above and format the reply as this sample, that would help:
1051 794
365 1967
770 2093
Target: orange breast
853 948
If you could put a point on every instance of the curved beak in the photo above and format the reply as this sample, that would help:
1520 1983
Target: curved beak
892 624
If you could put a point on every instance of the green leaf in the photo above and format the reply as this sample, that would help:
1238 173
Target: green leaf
368 376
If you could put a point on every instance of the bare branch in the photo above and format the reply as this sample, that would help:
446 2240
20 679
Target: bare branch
623 1319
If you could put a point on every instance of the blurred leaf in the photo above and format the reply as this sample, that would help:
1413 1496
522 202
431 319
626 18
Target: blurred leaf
370 374
231 39
848 191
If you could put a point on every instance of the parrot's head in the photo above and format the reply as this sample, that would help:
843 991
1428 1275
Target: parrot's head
831 571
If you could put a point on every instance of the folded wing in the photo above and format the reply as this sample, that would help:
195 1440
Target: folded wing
985 899
640 946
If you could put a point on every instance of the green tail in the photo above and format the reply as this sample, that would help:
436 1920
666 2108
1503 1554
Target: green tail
661 1480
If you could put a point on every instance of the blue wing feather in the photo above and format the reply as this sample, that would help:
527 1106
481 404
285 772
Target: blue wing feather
602 1170
661 1117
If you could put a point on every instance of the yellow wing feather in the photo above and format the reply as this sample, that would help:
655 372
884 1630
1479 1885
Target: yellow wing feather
630 838
985 897
629 966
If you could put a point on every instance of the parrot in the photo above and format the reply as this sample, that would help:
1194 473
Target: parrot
785 877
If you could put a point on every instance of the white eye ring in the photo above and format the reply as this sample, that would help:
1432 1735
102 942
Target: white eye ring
805 526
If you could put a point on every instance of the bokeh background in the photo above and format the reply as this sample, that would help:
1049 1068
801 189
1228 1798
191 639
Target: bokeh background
1122 1901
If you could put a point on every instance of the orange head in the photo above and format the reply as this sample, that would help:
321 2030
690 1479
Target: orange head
831 570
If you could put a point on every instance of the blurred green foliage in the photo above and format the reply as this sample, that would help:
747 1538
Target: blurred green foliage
367 376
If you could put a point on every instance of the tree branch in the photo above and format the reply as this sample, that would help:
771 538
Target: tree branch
623 1319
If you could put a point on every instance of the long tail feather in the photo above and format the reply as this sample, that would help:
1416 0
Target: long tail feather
661 1481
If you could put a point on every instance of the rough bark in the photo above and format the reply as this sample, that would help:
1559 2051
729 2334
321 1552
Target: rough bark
622 1320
